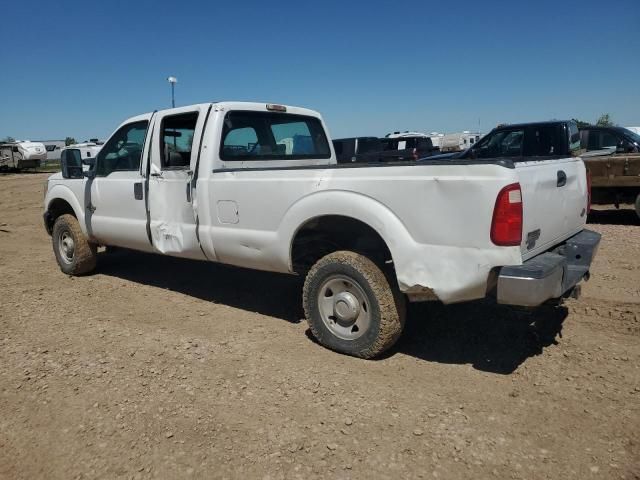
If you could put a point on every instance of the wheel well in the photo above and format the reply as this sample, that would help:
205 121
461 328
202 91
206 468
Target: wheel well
323 235
56 208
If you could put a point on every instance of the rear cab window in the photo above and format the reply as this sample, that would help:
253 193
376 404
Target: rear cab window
253 135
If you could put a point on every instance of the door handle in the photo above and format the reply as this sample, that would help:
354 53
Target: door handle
137 190
562 179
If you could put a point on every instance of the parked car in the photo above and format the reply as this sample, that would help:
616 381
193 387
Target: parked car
535 140
21 154
258 186
619 139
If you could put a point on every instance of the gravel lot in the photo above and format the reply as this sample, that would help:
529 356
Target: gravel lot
162 368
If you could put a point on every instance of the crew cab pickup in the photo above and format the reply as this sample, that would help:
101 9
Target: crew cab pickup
258 186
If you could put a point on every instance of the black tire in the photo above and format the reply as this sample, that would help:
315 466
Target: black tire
380 300
77 257
638 205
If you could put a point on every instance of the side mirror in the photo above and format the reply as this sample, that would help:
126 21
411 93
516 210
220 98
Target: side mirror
621 148
70 169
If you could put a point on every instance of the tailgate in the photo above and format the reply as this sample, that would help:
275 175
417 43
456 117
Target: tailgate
554 197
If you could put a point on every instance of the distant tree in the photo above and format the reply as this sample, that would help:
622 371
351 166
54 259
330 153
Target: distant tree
581 123
69 141
8 139
604 120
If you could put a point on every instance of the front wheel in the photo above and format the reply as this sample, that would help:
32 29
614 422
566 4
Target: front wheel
638 205
351 306
73 251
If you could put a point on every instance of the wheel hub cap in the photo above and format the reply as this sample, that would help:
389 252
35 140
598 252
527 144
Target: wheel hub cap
67 246
346 307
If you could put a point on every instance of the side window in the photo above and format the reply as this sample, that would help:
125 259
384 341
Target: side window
594 140
123 150
503 143
609 140
249 135
176 140
543 141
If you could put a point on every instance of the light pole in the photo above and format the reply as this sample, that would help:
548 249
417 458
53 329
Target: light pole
172 81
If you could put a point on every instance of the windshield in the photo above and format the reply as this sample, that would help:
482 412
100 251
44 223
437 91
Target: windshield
634 137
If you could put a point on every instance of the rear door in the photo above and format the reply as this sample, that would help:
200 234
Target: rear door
174 152
554 187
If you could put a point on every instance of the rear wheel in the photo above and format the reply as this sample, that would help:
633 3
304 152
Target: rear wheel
638 205
351 306
73 251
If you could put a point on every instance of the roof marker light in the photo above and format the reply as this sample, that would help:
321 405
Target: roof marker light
273 107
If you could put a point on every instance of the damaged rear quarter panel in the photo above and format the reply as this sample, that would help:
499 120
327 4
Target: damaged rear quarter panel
435 219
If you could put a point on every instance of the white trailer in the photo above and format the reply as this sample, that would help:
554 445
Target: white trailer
436 138
81 154
21 154
456 142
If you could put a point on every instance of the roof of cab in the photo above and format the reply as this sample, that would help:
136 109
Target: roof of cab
528 124
229 105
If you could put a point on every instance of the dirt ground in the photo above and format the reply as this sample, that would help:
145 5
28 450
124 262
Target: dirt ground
162 368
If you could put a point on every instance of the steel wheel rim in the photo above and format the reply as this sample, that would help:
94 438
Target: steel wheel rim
66 246
344 307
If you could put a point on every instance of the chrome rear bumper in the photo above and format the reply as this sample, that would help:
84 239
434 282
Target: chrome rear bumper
550 275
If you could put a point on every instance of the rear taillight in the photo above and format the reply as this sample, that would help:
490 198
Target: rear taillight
588 191
506 225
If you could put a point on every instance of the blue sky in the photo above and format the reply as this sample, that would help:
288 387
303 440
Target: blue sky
79 68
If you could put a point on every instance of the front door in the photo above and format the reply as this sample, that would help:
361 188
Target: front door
115 207
174 153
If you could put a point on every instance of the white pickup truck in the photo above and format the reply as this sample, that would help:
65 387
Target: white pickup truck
257 185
